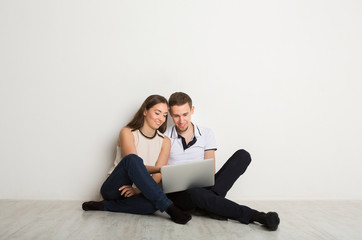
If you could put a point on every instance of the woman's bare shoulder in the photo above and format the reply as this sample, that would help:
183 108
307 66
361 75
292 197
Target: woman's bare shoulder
125 130
125 133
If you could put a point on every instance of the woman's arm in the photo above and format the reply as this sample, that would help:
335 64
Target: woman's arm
127 145
162 160
126 142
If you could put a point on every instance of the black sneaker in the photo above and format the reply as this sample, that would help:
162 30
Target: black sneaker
93 206
272 221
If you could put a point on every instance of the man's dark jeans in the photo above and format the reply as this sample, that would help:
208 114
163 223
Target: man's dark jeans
212 199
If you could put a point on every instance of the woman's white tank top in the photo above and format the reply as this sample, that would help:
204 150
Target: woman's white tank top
148 148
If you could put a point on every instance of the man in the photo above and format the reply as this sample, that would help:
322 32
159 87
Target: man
190 142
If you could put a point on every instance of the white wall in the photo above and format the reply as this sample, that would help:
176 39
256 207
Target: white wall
281 79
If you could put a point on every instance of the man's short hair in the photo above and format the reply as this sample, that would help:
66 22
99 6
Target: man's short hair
179 98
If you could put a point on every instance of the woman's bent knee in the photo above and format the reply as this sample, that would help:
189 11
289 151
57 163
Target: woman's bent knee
131 156
132 159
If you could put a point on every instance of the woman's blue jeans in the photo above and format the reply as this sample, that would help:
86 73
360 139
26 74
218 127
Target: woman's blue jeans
132 170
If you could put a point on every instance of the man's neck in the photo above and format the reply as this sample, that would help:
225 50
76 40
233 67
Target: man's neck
188 134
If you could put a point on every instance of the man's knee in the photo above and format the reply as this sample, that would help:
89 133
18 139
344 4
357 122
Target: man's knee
243 156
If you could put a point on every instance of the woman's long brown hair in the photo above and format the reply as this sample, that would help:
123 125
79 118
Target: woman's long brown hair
138 119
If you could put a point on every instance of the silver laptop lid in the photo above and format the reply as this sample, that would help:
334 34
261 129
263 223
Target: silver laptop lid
188 175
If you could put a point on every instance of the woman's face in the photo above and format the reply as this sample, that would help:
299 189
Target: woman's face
156 115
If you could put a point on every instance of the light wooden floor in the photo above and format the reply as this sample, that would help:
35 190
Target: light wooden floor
66 220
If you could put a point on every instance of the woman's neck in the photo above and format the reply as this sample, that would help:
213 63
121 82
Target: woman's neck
148 131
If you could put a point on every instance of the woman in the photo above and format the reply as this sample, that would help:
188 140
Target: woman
142 150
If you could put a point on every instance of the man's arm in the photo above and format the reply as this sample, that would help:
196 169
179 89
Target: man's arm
210 154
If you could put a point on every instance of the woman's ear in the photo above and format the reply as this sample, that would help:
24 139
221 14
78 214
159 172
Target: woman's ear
145 113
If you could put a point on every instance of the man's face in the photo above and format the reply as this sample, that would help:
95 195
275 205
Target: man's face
181 116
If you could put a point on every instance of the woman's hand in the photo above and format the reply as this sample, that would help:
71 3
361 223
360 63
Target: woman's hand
129 191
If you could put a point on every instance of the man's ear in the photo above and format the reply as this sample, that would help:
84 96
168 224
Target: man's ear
192 110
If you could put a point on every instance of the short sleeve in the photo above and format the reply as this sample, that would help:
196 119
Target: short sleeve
210 140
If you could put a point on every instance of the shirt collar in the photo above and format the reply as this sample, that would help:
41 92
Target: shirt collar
197 132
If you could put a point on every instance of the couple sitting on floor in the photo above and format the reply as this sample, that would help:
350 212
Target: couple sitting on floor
145 145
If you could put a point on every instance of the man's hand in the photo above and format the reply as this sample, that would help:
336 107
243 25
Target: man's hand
129 191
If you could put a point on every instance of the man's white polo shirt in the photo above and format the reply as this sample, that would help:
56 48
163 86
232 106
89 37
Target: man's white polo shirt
203 140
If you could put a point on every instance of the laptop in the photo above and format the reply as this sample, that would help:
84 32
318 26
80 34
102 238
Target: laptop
184 176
